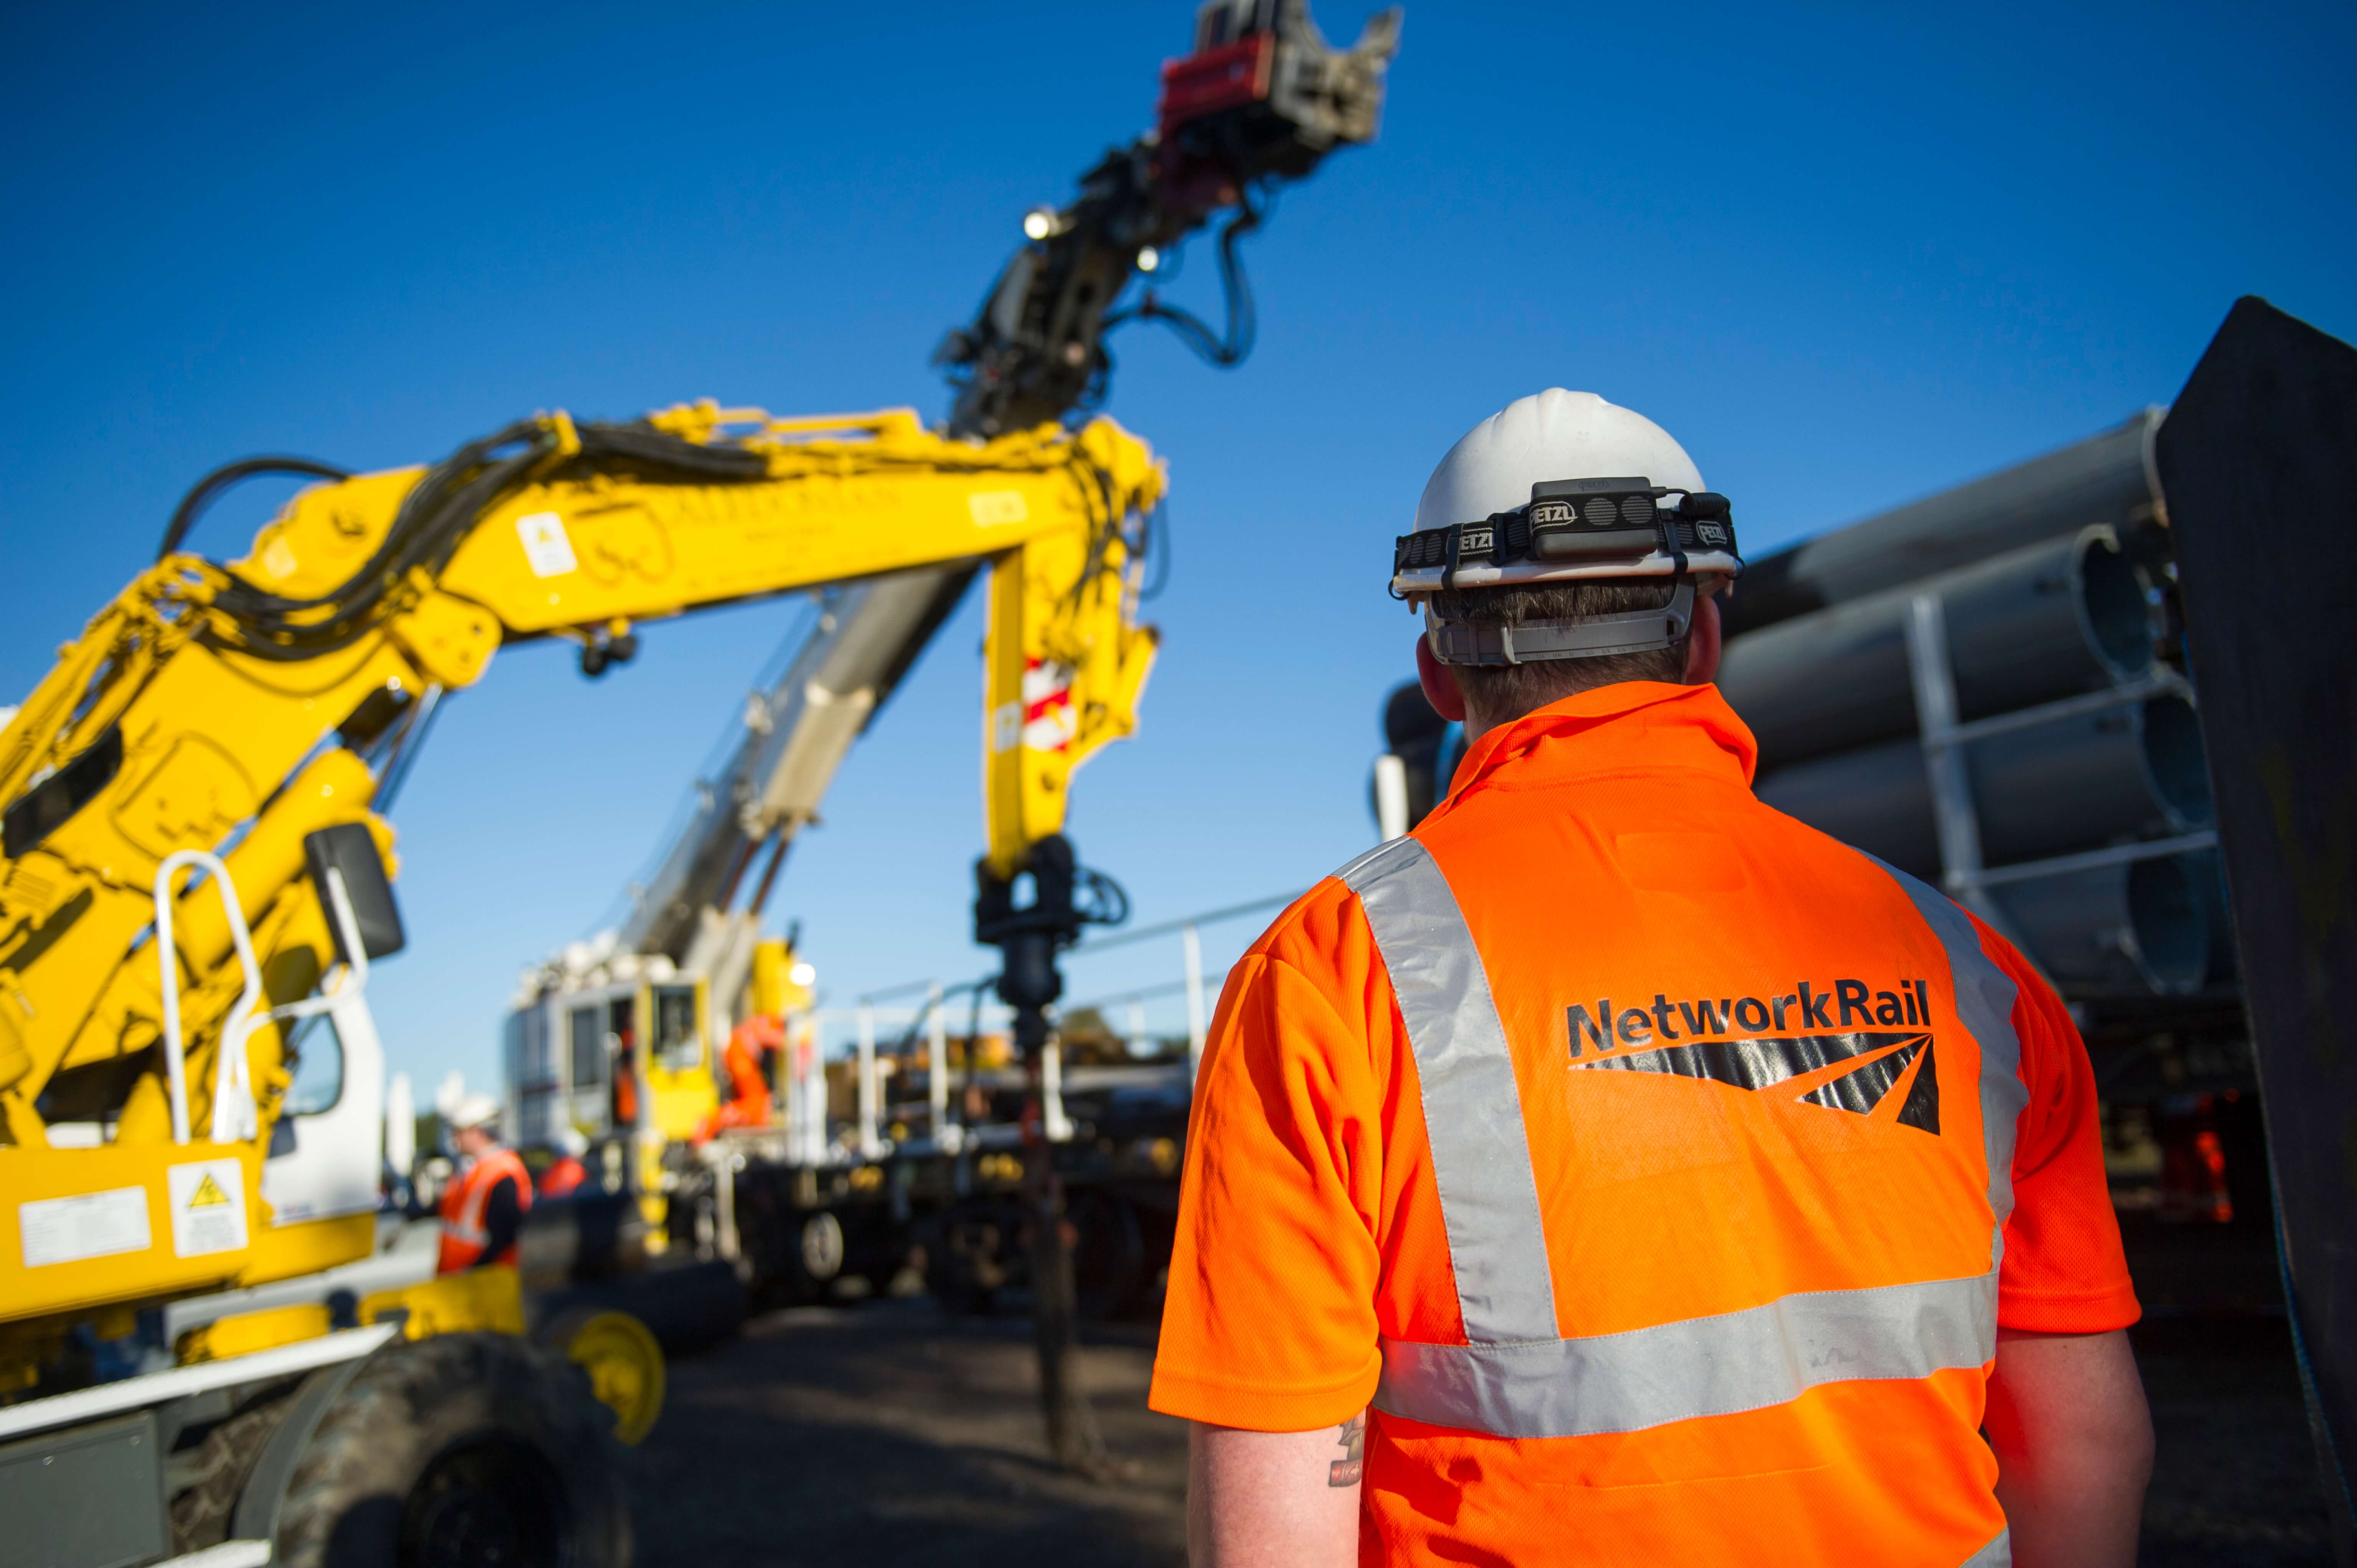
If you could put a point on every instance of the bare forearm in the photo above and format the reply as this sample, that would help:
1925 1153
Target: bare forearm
1274 1500
2073 1444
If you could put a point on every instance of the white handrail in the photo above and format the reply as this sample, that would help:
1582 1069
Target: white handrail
946 1130
871 1145
1054 1126
175 1049
235 1114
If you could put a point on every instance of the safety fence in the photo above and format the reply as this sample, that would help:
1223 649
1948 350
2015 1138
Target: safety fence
877 1023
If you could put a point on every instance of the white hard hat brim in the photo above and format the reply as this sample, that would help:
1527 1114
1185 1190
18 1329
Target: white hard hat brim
474 1110
1434 579
1558 443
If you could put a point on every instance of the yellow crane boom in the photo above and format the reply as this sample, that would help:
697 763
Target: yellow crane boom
207 696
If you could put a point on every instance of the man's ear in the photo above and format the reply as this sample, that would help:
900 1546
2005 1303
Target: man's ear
1440 682
1703 643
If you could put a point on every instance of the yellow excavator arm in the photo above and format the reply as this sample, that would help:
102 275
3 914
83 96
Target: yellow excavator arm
210 699
588 548
238 723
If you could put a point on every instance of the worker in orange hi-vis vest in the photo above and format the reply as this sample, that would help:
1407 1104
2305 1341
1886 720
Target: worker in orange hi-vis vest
1614 1170
750 1044
483 1207
565 1173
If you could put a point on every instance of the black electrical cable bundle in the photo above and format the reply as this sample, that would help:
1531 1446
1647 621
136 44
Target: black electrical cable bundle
1156 529
1106 902
438 515
210 488
1235 289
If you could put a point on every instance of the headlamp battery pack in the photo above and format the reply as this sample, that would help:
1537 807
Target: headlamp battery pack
1573 529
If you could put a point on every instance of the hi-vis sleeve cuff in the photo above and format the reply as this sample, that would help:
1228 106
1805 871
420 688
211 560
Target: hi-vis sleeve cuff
2068 1312
1269 1320
1261 1407
2064 1269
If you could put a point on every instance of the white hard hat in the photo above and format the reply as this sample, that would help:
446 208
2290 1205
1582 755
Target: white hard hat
1559 487
569 1141
1553 435
474 1110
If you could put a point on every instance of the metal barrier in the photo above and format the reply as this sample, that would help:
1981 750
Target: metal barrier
804 1090
1957 814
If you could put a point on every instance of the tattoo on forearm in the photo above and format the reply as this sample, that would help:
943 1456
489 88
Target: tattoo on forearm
1353 1436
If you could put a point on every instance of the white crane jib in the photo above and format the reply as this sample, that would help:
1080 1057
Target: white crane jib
796 733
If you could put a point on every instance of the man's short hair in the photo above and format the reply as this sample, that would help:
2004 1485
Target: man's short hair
1513 690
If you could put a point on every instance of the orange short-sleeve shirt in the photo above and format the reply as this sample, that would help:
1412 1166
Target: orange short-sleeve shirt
1309 1226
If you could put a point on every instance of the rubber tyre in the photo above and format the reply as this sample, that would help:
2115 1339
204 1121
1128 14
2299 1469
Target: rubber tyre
460 1451
223 1462
624 1364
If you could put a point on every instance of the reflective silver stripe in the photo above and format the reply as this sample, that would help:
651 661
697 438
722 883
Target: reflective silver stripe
1515 1377
1472 1109
1998 1553
1752 1360
1985 998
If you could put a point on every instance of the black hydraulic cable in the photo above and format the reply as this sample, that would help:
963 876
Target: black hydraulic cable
414 729
1156 529
443 508
438 513
432 521
213 486
1235 288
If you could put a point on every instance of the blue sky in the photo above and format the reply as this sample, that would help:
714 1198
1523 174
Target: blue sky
1848 256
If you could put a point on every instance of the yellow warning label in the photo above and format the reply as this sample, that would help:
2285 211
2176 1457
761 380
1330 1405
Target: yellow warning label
208 1207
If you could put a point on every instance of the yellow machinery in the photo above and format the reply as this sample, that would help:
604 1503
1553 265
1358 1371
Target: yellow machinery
208 724
194 877
207 698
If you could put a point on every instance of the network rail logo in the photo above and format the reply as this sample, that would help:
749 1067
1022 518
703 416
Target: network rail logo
1637 1040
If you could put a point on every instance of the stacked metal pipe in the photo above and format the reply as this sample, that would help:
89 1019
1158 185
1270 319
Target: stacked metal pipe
2041 605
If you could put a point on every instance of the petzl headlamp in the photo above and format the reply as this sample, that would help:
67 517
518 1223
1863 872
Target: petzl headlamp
1573 530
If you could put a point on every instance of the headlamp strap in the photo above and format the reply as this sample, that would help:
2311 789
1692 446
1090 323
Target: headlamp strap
1533 642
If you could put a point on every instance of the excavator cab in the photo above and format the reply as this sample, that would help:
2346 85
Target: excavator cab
679 1079
574 1059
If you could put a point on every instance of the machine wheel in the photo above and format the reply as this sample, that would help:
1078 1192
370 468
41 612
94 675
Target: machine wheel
624 1363
818 1251
201 1512
460 1451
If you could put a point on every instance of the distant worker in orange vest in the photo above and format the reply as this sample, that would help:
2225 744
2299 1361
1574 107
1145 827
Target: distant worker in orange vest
1614 1170
483 1207
565 1173
750 1044
626 1081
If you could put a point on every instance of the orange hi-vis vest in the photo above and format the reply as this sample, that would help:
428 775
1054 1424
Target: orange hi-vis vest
1647 1160
562 1177
463 1236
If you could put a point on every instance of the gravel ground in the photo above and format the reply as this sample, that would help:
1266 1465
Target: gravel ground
886 1433
2234 1478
